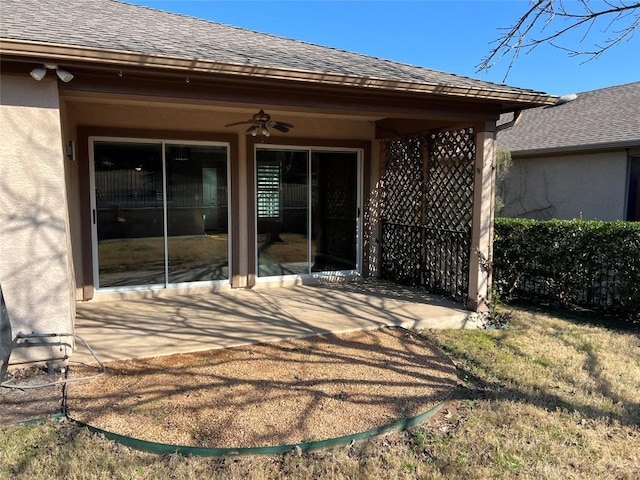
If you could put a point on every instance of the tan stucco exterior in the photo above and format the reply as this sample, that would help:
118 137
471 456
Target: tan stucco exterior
154 86
49 267
588 185
35 265
48 212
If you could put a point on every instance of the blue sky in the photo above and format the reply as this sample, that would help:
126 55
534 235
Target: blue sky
447 35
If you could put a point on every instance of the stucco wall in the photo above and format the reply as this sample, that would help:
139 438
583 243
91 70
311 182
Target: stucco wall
35 264
565 187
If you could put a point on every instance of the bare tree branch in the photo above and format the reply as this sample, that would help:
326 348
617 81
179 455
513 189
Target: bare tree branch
551 21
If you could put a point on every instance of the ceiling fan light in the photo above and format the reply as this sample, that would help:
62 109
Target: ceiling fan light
265 132
254 131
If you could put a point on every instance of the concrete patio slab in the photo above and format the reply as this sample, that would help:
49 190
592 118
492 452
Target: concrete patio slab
164 325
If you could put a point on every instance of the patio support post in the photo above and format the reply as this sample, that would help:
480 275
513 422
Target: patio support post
35 247
482 226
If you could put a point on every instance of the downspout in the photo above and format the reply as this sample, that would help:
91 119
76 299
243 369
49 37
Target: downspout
512 123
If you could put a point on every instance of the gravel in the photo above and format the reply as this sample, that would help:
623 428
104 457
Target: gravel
268 394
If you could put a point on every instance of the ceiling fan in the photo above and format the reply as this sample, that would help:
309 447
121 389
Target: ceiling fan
260 124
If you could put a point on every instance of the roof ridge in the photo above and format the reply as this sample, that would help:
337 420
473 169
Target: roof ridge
610 87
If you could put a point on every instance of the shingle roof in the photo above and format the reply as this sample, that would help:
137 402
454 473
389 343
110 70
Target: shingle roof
596 119
114 25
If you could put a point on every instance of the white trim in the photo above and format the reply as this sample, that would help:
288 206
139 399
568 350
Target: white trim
359 214
165 222
360 211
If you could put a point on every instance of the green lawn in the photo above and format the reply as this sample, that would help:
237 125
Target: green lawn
547 398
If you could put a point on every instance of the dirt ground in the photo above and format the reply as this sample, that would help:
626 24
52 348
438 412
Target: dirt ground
23 404
267 394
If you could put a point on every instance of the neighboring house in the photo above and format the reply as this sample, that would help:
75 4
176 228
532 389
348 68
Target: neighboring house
579 158
125 170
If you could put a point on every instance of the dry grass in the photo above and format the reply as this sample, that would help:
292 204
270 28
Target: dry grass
292 247
131 254
547 398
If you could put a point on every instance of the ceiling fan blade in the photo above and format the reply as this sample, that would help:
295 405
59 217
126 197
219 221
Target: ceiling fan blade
239 123
281 126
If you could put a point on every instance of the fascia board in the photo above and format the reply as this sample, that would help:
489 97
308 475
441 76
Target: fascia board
121 58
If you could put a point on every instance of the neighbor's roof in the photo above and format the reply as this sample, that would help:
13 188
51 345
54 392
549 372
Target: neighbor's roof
598 119
120 32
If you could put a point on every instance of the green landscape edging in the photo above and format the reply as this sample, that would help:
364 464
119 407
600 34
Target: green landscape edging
163 448
33 421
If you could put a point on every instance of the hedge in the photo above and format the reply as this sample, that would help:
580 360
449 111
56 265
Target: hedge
587 264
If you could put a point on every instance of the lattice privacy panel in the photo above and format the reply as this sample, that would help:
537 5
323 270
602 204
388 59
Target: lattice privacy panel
449 211
449 199
402 210
426 212
403 182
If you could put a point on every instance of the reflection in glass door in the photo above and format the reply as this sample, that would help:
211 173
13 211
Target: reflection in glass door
282 211
128 214
160 213
307 211
197 223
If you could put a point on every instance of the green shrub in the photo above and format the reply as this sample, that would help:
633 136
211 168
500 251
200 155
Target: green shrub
588 264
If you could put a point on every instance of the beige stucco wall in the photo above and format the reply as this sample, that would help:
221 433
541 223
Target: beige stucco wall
155 115
35 262
592 185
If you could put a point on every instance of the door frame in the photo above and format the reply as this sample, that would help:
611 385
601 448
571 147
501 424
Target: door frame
359 152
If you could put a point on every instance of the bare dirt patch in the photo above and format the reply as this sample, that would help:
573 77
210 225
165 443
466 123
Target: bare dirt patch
33 401
268 394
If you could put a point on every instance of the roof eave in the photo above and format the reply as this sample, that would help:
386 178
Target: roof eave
122 58
571 149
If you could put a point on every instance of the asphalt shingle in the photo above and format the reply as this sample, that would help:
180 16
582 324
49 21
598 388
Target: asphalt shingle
114 25
598 117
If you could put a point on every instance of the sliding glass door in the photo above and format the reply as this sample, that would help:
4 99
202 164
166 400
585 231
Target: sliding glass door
283 212
307 211
197 219
160 213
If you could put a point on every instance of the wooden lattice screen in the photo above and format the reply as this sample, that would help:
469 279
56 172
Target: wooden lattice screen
426 211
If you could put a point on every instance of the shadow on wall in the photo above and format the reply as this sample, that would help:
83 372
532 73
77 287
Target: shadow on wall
34 265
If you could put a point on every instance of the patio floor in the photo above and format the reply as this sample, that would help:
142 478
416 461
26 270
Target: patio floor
164 325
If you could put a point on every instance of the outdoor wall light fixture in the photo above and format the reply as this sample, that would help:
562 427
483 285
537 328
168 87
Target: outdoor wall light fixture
40 72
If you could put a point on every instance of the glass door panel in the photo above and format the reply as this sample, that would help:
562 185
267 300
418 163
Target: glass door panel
129 213
197 218
282 200
334 211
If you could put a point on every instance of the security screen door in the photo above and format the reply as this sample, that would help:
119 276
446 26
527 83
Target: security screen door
307 206
160 213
